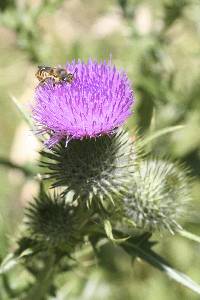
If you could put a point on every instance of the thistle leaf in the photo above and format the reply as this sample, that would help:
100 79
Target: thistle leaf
12 260
8 263
144 251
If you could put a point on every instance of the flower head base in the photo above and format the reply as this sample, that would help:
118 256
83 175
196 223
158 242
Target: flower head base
97 101
93 169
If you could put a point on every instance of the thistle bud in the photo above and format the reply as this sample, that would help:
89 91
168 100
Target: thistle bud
159 196
54 223
100 168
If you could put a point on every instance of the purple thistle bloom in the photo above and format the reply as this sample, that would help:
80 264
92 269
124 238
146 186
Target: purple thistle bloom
97 101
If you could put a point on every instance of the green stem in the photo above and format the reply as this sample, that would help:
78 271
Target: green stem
7 163
44 280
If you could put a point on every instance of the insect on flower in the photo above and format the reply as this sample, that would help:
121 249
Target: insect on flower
58 74
97 102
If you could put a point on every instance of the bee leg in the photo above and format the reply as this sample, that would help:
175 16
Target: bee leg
42 82
54 82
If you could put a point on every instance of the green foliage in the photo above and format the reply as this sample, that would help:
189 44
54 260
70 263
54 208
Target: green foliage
162 59
23 19
153 198
6 4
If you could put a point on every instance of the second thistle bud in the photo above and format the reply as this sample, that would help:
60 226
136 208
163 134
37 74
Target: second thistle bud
54 223
159 196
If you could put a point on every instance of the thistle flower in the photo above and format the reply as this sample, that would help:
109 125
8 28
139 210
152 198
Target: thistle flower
99 168
97 101
159 196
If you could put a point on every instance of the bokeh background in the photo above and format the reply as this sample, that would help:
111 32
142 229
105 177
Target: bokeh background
157 42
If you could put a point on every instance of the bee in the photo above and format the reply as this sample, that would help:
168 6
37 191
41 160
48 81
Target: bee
58 74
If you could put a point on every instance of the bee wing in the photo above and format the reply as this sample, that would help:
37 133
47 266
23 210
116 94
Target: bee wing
44 68
59 67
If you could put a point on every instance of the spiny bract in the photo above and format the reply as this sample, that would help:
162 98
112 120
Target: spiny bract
100 168
55 223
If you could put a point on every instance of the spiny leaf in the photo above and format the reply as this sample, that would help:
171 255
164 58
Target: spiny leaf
12 260
144 252
8 263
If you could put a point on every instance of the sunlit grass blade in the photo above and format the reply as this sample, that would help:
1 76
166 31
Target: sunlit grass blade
189 235
22 111
160 133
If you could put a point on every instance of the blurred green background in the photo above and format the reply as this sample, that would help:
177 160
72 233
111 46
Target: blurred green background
157 42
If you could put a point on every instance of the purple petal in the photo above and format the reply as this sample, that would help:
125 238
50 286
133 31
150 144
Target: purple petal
97 101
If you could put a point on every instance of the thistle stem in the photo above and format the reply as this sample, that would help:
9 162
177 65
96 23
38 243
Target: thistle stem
9 164
44 279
